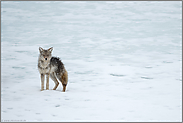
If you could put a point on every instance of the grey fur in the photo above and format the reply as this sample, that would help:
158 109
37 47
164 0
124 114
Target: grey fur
51 67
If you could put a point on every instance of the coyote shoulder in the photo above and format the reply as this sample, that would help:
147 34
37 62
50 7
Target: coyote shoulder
51 67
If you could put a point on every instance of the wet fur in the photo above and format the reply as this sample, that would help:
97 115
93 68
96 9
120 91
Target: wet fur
53 68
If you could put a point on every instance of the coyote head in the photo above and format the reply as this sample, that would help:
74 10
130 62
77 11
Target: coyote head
45 55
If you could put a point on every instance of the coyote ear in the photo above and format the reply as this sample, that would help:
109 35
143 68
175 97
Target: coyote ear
50 49
40 49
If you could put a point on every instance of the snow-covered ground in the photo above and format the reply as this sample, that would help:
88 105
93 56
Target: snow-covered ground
124 60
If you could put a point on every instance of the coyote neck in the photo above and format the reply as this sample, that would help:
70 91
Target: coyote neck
43 64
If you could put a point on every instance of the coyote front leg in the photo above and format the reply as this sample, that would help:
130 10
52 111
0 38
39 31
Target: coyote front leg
47 81
42 82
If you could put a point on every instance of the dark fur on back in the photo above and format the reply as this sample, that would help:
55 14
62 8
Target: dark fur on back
55 61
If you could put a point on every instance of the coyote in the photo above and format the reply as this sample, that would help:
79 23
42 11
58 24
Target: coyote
53 67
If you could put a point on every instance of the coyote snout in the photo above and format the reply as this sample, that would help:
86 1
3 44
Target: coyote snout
51 67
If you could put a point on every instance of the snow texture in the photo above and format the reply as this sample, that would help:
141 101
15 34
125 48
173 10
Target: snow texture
124 60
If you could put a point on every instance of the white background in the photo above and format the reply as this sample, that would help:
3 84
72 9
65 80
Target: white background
124 60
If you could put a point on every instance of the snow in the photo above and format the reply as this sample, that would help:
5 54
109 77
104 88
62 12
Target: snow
124 60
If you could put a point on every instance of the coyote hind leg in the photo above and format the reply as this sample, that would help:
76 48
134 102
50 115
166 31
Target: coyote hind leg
64 79
64 87
53 77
